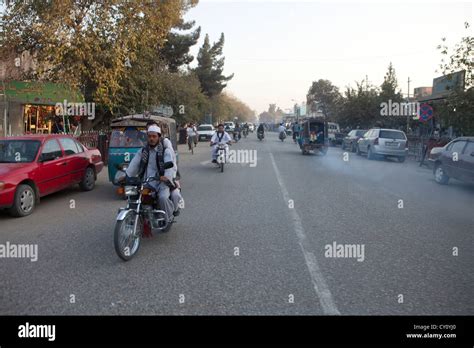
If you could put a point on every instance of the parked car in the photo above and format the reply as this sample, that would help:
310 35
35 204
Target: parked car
454 160
229 126
350 140
383 142
34 166
206 131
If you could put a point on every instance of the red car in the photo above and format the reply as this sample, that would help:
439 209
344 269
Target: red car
33 166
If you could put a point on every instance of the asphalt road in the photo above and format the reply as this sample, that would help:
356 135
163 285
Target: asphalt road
281 215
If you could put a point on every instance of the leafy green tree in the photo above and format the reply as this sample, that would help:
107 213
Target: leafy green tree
175 52
324 95
211 66
88 44
359 107
458 109
389 91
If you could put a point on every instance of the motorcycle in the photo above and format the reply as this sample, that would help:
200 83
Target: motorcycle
140 218
221 156
246 132
282 135
236 136
260 136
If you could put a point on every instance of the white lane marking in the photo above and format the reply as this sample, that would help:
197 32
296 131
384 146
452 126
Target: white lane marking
320 286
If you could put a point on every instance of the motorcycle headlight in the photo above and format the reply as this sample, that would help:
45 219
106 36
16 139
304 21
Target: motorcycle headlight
131 191
123 166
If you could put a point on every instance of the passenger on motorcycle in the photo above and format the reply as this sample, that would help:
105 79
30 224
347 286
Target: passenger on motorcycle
219 137
281 128
149 162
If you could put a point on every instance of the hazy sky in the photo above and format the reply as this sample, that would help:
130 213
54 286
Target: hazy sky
277 48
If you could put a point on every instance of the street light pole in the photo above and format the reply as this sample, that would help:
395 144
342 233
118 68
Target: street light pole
5 125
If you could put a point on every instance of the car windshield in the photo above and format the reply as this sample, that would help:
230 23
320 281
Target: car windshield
128 137
18 151
360 133
204 128
389 134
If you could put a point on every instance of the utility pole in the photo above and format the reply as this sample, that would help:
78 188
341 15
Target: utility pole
408 100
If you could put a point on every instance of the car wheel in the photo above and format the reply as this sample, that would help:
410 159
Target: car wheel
88 181
401 159
370 154
24 201
439 175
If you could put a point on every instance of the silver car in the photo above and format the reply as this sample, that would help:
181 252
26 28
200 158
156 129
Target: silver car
383 142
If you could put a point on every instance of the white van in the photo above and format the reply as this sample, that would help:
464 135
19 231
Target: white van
333 128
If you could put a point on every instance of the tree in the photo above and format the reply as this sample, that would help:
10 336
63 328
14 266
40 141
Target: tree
458 108
273 115
389 91
88 44
359 107
460 59
175 52
324 95
211 66
226 107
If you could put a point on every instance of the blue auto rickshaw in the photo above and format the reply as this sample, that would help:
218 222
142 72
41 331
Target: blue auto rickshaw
129 135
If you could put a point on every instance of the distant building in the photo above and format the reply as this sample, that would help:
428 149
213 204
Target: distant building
421 92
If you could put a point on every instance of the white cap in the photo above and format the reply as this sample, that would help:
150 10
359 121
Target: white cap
154 128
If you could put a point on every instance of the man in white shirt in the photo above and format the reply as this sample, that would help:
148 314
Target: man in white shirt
281 128
192 133
149 162
219 137
176 196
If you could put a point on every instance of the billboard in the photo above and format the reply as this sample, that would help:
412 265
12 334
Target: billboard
446 84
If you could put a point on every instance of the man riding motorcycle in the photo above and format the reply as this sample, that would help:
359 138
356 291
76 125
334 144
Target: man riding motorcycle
282 128
149 162
246 129
261 130
219 137
176 196
237 134
282 131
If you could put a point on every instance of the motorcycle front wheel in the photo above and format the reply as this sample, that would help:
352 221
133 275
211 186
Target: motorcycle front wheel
126 238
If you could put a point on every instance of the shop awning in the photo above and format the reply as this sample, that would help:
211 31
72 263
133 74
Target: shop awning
40 93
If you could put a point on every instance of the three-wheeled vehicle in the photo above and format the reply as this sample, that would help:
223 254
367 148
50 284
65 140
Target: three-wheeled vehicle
128 136
313 136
